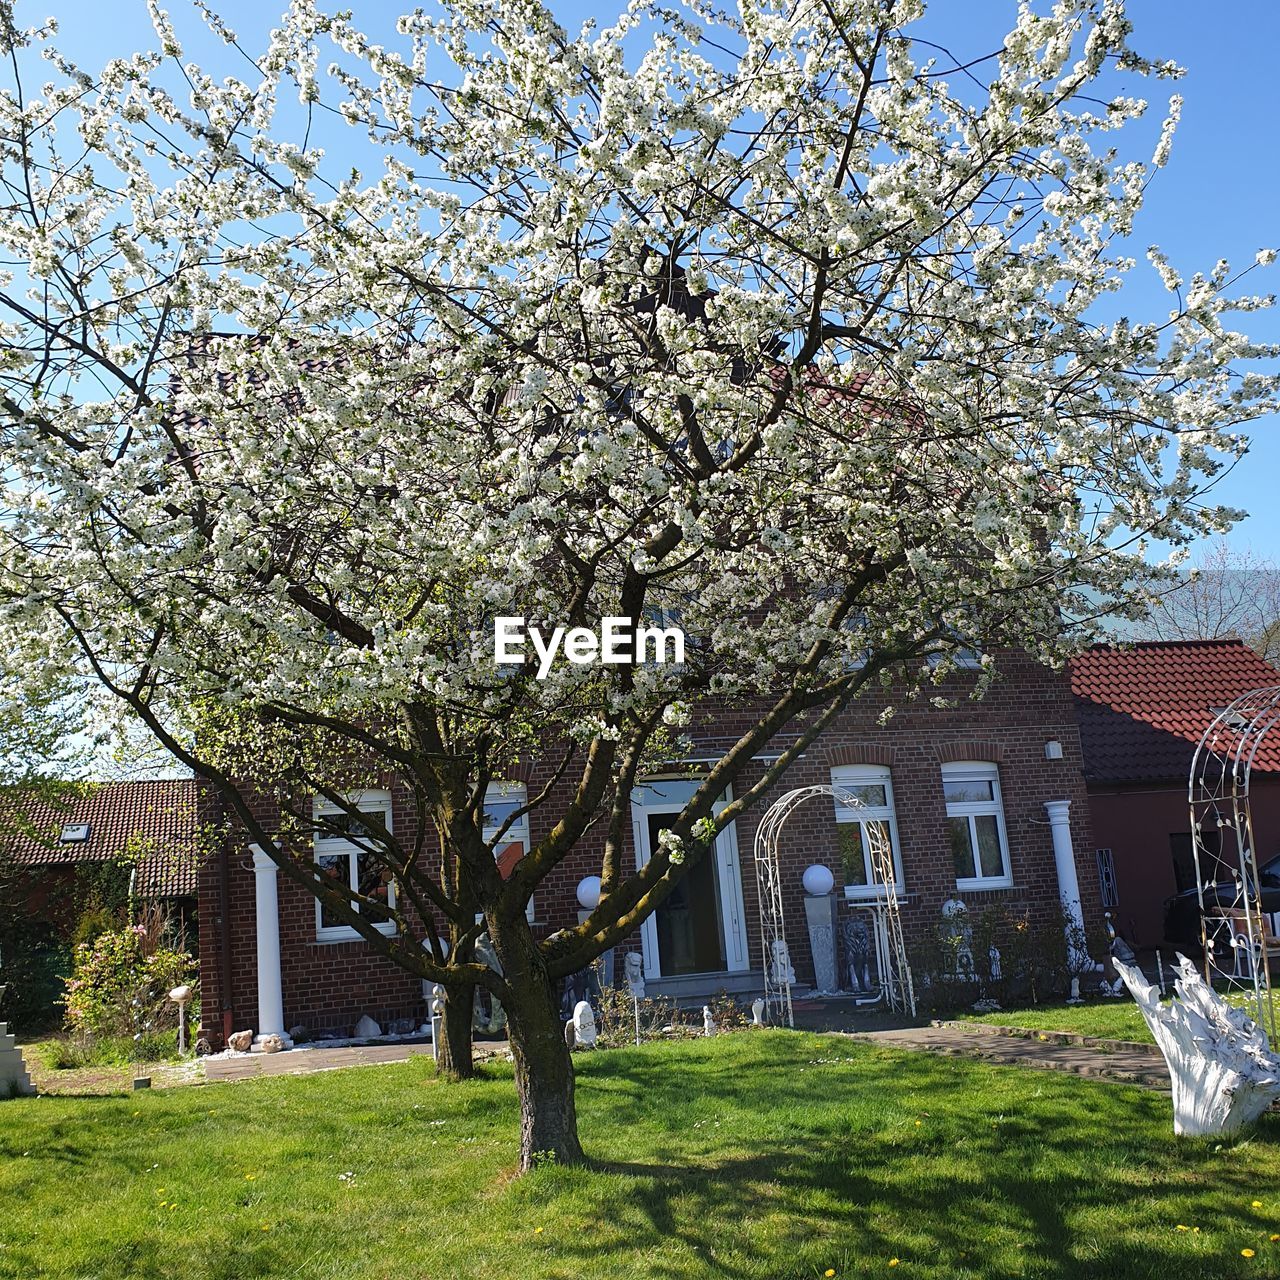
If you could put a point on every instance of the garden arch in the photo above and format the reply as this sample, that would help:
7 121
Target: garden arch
1233 928
895 972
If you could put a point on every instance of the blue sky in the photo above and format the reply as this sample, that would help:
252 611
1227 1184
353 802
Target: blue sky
1219 196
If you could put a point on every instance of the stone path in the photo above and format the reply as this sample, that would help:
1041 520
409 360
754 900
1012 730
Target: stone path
1106 1059
304 1061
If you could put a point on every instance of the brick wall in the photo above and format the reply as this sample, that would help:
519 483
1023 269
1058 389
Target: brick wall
328 985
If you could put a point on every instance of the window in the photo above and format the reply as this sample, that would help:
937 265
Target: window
74 833
857 826
344 850
975 822
501 800
1107 878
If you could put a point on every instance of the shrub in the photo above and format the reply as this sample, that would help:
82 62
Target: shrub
121 981
67 1053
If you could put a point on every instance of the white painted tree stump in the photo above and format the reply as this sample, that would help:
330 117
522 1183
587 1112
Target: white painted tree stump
1223 1071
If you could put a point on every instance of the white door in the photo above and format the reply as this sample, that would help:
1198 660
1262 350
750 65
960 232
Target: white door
700 927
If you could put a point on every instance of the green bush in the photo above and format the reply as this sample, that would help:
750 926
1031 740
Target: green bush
121 981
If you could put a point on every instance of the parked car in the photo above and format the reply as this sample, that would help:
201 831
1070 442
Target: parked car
1182 911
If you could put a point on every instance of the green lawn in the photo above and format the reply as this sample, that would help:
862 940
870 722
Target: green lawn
1117 1019
762 1154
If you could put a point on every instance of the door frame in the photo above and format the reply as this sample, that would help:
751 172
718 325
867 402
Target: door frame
732 911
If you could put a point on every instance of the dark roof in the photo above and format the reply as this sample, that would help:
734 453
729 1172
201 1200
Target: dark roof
1143 707
158 821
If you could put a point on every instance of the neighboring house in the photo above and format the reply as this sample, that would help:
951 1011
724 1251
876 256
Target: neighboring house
977 798
148 829
1143 709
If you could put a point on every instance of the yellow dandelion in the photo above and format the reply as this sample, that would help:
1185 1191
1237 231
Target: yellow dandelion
829 1272
173 1205
1195 1231
919 1122
1257 1204
1180 1227
249 1177
1246 1253
893 1262
1274 1238
266 1226
537 1231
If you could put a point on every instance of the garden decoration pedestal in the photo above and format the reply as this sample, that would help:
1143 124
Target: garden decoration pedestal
13 1071
1223 1071
820 916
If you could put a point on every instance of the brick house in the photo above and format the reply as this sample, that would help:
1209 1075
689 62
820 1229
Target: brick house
985 801
1142 710
148 829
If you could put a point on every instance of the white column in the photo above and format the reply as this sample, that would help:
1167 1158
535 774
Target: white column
270 1001
1064 858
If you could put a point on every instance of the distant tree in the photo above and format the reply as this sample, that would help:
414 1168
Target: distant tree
1227 594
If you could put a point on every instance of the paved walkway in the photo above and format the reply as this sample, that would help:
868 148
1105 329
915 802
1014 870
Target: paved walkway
1107 1059
306 1059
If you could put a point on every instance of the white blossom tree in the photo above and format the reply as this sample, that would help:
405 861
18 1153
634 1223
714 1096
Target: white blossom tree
753 319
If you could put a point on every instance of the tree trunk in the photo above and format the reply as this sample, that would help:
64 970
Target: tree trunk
543 1063
453 1053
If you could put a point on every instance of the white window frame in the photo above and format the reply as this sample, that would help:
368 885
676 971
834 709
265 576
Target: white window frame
518 832
979 771
868 775
327 846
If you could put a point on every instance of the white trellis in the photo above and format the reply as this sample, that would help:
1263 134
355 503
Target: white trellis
891 952
1233 929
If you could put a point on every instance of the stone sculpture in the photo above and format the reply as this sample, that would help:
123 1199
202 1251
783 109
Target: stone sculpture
757 1012
857 953
959 935
708 1021
1223 1071
240 1041
271 1044
494 1020
584 1025
366 1028
780 963
633 972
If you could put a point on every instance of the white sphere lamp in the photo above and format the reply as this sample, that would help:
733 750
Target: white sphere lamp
818 880
589 893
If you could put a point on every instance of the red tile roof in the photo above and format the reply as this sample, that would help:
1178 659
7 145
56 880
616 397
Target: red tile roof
1143 707
158 821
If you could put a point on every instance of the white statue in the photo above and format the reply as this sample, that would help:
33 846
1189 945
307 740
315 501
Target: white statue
1223 1071
495 1020
584 1025
960 935
633 972
757 1012
708 1022
780 963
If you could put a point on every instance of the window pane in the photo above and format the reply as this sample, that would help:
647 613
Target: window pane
497 809
961 848
370 883
989 855
341 826
871 794
965 792
876 835
338 866
852 853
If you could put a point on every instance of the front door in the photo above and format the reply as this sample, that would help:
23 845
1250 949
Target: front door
689 923
700 927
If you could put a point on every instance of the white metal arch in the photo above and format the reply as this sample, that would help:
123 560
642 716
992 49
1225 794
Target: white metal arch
1232 928
895 972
